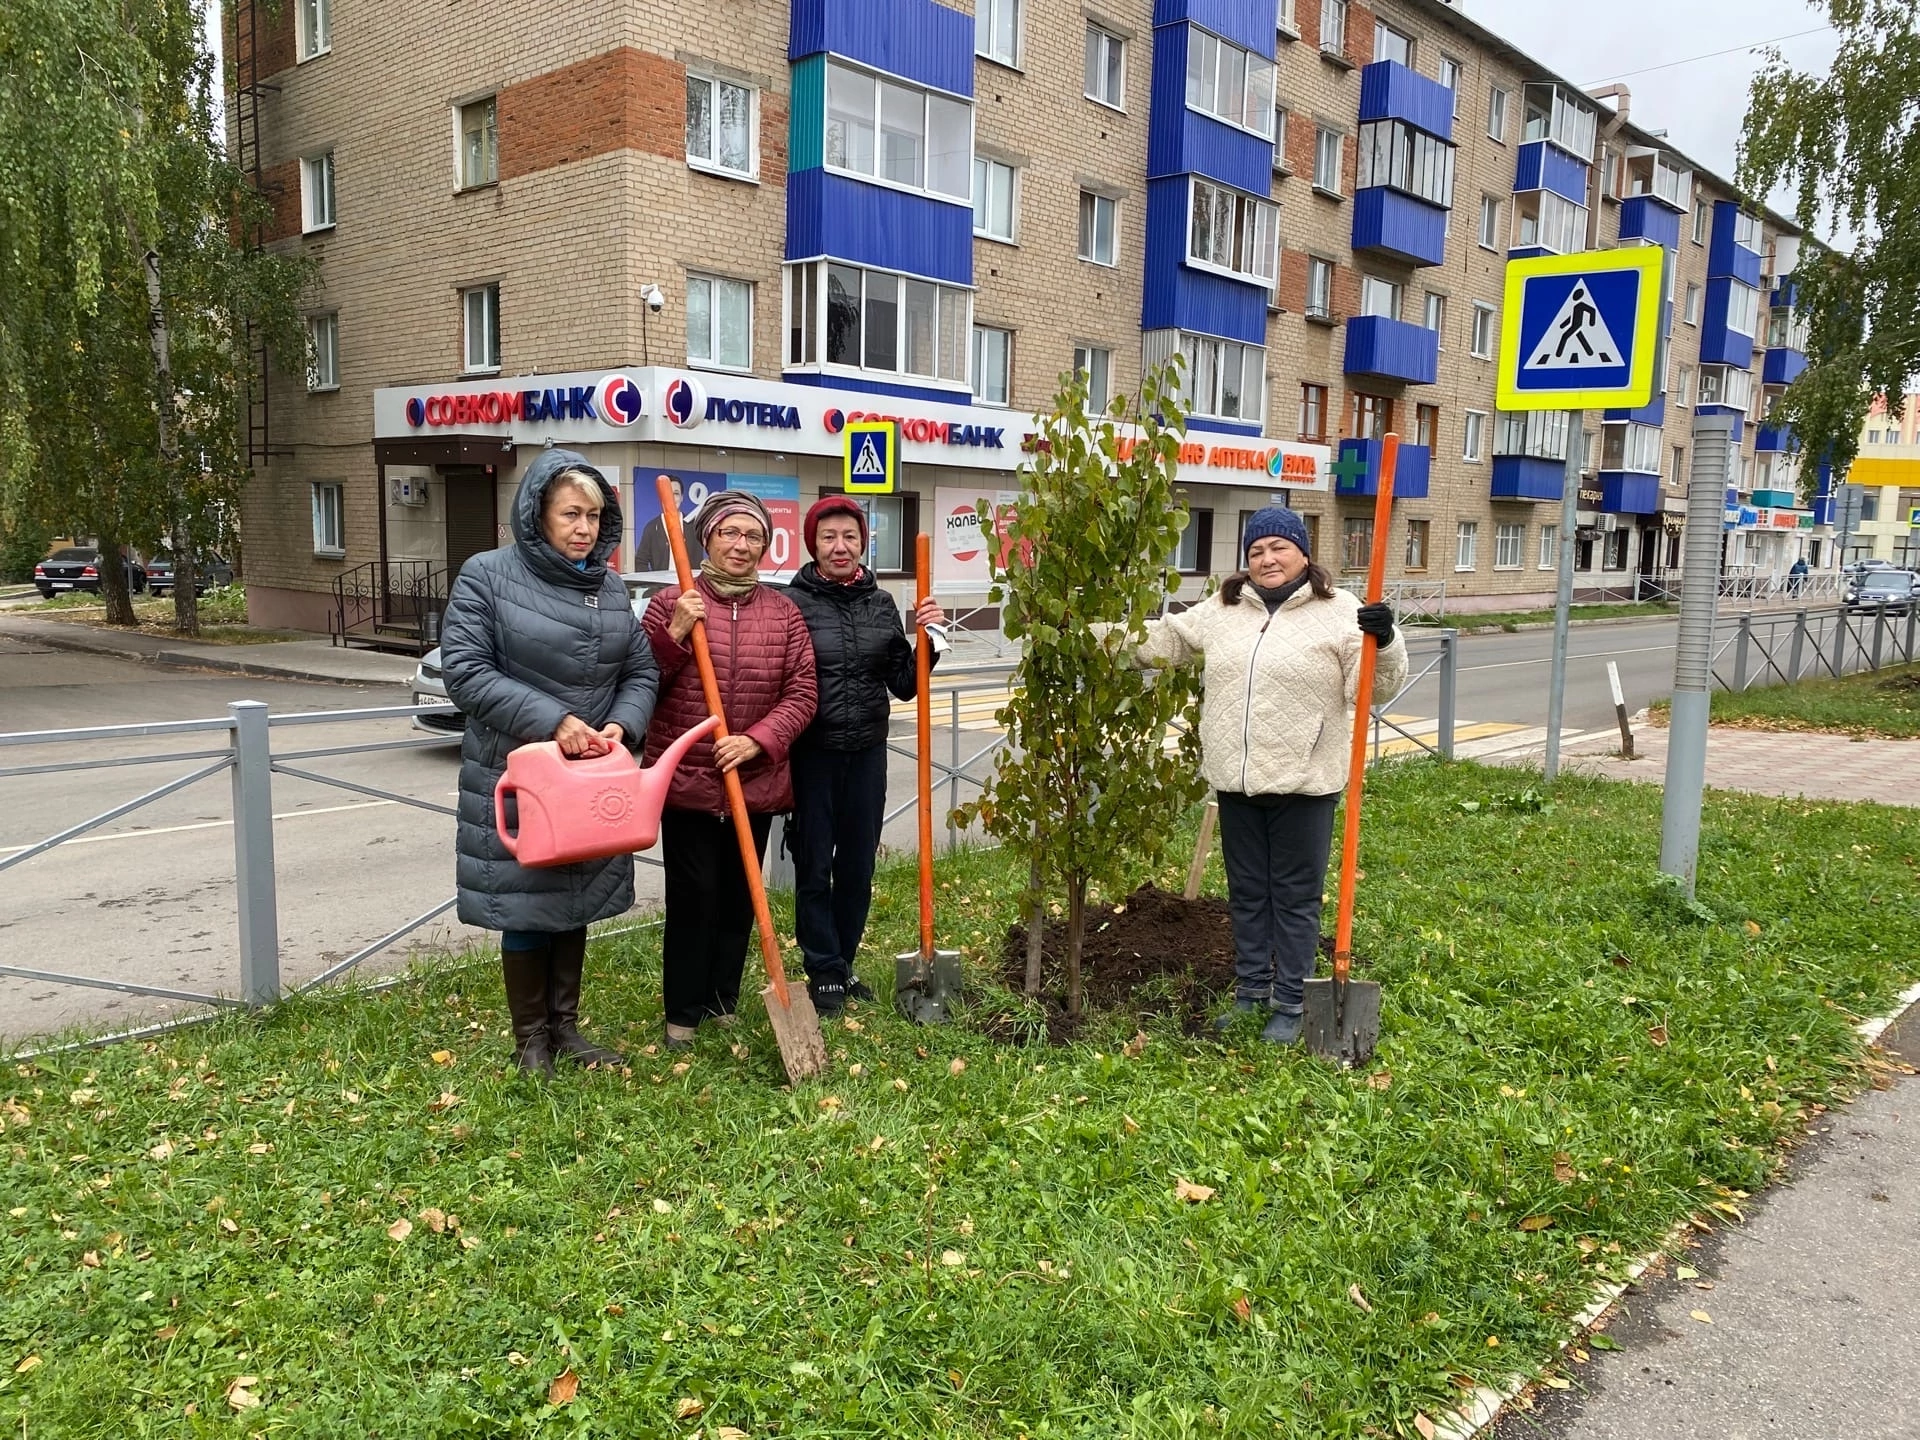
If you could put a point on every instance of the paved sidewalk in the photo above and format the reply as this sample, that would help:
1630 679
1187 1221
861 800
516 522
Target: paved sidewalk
1768 762
286 659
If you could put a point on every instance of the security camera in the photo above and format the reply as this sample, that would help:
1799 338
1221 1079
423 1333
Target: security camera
655 297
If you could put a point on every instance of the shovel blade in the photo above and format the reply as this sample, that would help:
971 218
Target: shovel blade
1341 1027
796 1030
924 986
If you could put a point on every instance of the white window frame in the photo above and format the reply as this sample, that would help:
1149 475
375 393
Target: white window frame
1473 436
486 359
1485 318
1746 232
464 178
1447 67
983 337
1285 20
1221 353
323 352
1319 296
1743 309
1544 220
1282 117
711 163
318 199
716 287
1333 27
1091 203
1641 449
1683 387
1549 547
329 520
1109 47
1509 545
805 317
984 167
928 98
1535 434
1394 154
1499 107
1385 36
1466 546
1692 311
1702 220
1433 315
1382 298
1490 211
1095 364
1207 55
987 25
1254 239
313 28
1321 162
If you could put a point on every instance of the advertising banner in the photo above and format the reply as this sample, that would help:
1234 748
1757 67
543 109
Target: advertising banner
779 493
960 544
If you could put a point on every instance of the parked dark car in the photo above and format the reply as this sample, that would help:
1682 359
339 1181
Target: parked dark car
78 568
208 571
1892 588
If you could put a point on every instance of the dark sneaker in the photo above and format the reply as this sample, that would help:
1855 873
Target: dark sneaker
858 989
829 996
1227 1019
1282 1029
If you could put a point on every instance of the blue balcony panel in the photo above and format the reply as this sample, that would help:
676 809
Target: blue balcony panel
1524 477
830 214
1785 294
1723 256
1545 166
1399 226
1390 91
1782 367
1392 350
1245 428
917 40
1411 473
1177 296
1182 141
889 387
1247 23
1775 442
1626 492
1529 252
1654 412
1720 345
1823 496
1644 218
1739 417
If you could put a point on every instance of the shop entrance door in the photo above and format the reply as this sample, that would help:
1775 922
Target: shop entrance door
472 515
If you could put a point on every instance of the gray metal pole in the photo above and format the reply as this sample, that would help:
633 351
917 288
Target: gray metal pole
1449 681
1563 599
253 854
1693 663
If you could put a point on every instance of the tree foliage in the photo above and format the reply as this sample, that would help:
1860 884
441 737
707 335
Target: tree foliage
1087 786
1847 144
110 163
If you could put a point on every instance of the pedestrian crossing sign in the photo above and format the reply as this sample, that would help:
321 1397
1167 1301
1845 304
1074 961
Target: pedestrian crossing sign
1582 331
872 456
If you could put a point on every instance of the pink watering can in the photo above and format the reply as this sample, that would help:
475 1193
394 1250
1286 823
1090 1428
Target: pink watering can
585 809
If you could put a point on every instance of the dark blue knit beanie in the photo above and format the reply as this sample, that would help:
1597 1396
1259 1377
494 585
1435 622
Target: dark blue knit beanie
1276 520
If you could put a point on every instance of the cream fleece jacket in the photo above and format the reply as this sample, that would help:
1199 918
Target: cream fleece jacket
1276 714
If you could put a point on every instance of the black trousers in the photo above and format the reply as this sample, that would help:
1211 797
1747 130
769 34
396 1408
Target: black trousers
1276 849
839 797
709 913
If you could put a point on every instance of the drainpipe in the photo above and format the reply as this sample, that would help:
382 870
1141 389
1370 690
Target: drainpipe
1623 107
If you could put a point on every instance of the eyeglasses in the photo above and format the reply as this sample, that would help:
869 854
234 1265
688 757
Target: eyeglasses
732 536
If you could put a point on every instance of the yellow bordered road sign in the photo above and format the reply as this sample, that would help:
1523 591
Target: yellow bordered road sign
871 458
1581 332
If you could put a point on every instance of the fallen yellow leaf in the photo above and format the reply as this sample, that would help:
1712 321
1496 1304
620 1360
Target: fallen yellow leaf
162 1151
240 1393
400 1229
564 1387
956 1066
1536 1222
1424 1426
32 1362
687 1407
434 1219
1380 1080
952 1257
1703 1317
1751 927
1193 1194
729 1432
443 1057
661 1207
1354 1294
1243 1309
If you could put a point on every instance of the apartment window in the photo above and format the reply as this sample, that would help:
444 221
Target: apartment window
1327 145
1099 219
1391 44
1280 140
1743 308
1288 26
1633 448
993 189
992 365
1106 67
1550 222
1379 297
996 30
1497 102
1333 26
720 126
1194 554
1683 387
1702 221
1229 83
1473 441
1418 534
843 315
1369 417
1483 335
479 143
1692 311
1678 477
1614 556
1746 231
1508 541
329 521
315 27
1873 437
1319 288
1564 116
1393 153
1489 222
884 130
1232 232
1313 412
1094 365
1466 541
480 308
316 193
323 352
1448 74
1224 379
1426 425
1549 547
719 322
1537 434
1356 542
1434 314
1726 385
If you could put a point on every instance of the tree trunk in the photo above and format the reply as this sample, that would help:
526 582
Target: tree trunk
186 598
1036 929
1076 928
113 582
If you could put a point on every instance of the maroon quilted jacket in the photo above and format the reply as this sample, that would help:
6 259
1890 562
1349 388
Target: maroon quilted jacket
763 658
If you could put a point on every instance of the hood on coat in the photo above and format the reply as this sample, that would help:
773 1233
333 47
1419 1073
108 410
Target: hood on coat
531 499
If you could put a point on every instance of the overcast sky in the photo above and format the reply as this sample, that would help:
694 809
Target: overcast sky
1700 104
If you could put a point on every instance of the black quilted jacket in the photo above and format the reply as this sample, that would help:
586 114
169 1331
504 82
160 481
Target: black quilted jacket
860 654
527 641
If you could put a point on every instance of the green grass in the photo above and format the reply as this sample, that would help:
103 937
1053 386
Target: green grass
223 616
1510 619
918 1247
1884 703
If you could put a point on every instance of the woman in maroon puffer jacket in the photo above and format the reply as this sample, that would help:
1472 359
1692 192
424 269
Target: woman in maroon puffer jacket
763 660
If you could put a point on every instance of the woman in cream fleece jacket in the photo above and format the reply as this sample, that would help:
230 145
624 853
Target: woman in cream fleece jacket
1282 652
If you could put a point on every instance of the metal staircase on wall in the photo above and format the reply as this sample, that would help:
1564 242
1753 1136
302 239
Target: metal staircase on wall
247 92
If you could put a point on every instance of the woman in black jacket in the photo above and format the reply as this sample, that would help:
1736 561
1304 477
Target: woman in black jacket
840 762
540 643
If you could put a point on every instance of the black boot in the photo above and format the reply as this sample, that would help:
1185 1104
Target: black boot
524 973
563 1005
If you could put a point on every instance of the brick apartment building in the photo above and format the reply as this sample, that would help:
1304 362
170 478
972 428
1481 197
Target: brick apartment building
701 248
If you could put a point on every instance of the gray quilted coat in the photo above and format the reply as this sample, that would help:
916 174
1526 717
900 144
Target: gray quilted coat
528 640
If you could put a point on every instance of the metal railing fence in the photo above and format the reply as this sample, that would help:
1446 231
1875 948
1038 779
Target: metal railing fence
1760 648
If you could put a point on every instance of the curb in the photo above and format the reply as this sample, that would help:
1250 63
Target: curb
193 660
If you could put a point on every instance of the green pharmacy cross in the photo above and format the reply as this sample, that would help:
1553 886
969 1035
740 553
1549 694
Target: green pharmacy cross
1350 466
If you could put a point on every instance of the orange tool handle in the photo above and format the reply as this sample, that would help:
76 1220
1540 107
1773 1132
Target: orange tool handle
1363 714
923 707
736 797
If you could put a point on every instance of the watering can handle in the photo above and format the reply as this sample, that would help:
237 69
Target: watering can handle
508 838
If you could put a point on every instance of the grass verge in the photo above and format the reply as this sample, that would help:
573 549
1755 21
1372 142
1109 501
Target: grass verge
350 1202
1513 619
223 616
1883 704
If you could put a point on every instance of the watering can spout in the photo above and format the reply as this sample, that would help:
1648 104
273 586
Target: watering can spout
657 777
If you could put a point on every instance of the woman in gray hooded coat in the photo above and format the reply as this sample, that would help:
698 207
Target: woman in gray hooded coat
540 643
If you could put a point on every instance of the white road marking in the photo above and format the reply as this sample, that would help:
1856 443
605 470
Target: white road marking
203 825
1583 655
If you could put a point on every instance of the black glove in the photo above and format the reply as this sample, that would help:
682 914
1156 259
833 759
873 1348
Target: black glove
1377 620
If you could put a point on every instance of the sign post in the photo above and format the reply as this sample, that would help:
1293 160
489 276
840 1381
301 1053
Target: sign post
1580 332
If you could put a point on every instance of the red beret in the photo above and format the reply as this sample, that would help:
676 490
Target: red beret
831 505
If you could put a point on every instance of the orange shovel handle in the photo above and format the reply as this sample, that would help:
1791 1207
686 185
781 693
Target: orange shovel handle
923 707
736 797
1363 714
